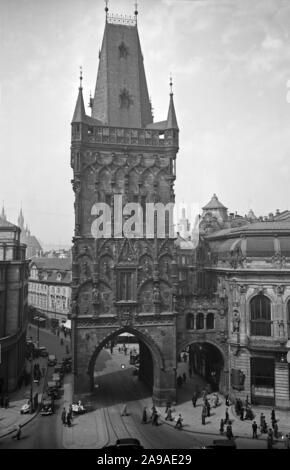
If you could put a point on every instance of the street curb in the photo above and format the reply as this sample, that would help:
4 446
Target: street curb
32 416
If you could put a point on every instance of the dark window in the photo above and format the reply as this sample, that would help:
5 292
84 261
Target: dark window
199 321
260 308
210 321
189 321
288 318
125 287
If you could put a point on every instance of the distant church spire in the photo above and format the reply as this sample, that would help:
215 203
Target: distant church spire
20 220
171 117
136 12
3 215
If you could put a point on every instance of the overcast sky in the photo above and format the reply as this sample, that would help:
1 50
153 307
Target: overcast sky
230 61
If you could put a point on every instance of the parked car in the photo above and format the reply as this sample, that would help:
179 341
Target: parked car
56 378
222 444
43 351
52 360
25 408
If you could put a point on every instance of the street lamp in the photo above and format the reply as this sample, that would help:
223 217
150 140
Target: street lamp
31 382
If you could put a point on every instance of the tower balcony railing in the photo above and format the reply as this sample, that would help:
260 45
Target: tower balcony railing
125 136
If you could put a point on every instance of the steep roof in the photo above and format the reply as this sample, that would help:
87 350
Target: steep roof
121 95
80 112
57 264
214 203
171 117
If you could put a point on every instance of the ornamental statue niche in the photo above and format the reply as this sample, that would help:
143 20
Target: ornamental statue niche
96 296
236 322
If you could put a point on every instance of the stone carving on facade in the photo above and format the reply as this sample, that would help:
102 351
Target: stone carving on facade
236 322
243 288
156 299
96 296
280 289
281 329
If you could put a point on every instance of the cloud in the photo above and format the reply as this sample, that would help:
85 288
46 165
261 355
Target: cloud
272 43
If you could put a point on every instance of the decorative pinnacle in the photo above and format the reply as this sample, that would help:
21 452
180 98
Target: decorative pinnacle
81 78
171 84
136 11
106 8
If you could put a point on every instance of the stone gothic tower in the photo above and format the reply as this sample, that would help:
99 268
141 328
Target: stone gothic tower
120 156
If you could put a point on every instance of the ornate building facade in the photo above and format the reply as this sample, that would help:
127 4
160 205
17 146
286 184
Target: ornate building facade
14 273
123 284
225 298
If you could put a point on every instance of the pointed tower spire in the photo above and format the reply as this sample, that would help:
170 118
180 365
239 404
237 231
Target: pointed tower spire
136 12
121 96
107 9
80 112
20 220
171 117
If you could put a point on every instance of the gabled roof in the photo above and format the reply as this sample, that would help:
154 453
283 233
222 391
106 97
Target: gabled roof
121 96
214 203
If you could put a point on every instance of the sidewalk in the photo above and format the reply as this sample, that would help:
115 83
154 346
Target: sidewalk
11 417
89 430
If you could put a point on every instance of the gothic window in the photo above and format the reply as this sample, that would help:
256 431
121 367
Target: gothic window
288 318
210 321
123 50
125 286
125 99
260 310
189 321
200 321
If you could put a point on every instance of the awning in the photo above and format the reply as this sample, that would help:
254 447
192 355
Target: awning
39 319
67 324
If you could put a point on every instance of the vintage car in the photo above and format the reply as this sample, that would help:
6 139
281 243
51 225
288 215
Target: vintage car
47 408
52 360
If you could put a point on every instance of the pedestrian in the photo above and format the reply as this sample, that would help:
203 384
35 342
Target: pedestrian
255 428
155 417
270 439
184 357
169 415
6 402
63 417
208 409
229 432
168 405
204 395
43 369
61 341
222 426
194 399
203 414
276 431
227 400
190 372
18 432
249 413
273 415
287 441
68 419
247 402
124 411
242 413
153 409
179 381
227 416
144 415
184 377
178 424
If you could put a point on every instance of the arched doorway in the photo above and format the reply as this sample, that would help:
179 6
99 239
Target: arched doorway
203 363
207 361
126 349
